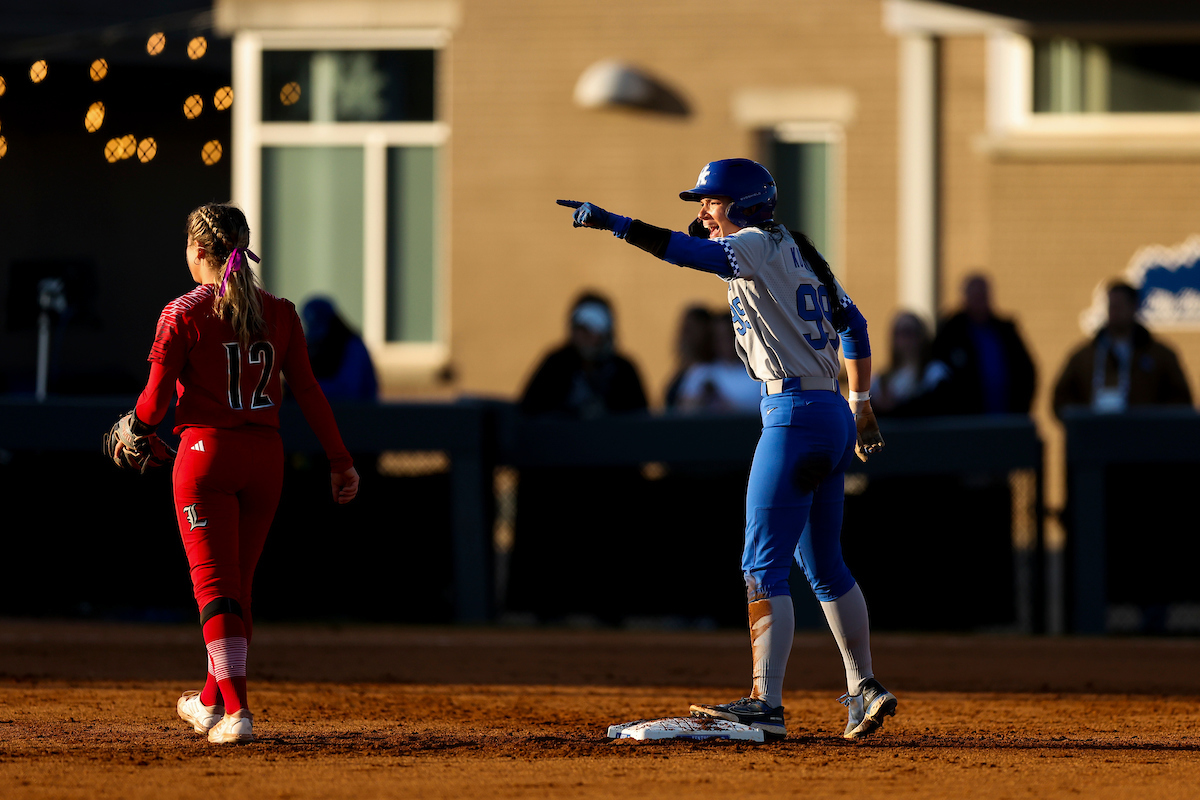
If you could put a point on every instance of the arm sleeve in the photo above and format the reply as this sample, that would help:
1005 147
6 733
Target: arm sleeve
706 255
677 248
855 343
717 256
311 399
156 398
167 356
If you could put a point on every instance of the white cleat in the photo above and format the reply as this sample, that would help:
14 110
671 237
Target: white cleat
868 709
201 717
233 728
853 703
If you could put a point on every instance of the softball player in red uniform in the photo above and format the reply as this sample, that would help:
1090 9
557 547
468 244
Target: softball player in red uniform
222 348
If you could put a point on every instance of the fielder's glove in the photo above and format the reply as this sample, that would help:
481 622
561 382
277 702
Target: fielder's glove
870 440
698 229
132 444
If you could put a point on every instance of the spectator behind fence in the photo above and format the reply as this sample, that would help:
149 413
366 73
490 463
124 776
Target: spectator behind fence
693 346
564 513
340 360
990 368
912 383
721 384
585 378
1123 365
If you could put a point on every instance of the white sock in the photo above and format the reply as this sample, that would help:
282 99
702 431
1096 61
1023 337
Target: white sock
228 657
772 628
847 617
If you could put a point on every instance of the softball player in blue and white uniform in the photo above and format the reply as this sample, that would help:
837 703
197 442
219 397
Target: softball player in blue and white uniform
790 316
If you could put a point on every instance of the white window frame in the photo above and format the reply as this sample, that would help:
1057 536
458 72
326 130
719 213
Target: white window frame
251 134
832 134
1014 128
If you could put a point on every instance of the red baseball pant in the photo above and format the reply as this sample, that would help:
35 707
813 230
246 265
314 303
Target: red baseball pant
226 484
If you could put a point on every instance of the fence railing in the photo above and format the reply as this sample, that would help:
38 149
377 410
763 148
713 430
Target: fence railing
480 435
1130 480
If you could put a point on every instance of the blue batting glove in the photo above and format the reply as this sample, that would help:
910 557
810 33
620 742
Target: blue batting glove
589 216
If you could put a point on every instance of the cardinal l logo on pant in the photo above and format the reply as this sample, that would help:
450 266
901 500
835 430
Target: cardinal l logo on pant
193 517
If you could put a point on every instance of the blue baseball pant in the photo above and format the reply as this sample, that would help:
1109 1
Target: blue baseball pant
794 498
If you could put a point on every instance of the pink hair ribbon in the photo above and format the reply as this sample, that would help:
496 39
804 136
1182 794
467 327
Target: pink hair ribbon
234 264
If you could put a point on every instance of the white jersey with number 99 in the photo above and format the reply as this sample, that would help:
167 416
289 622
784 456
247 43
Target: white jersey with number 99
781 311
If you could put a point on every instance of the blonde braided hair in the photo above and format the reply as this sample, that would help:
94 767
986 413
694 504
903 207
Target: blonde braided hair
220 228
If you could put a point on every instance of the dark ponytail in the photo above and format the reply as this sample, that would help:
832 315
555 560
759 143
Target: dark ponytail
813 257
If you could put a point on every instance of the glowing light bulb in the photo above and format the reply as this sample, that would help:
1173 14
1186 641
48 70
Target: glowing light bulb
156 43
37 73
94 117
193 106
290 93
211 152
99 69
146 150
223 99
197 48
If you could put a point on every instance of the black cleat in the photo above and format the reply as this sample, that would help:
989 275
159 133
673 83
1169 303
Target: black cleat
747 711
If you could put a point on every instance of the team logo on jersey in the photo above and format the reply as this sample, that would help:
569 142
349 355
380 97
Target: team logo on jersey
192 513
198 446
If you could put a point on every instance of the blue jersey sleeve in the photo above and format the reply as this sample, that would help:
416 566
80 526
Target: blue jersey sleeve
855 343
705 255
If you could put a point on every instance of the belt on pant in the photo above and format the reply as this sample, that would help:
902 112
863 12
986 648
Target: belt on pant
800 384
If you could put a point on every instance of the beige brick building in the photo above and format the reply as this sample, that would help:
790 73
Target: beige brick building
945 138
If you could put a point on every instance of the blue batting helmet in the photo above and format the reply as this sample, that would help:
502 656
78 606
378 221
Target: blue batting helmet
746 182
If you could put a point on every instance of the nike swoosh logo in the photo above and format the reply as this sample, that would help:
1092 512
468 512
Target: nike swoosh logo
769 410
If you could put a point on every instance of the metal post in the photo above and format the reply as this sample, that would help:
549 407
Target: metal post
1086 546
50 298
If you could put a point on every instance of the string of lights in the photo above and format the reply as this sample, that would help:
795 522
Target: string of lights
61 53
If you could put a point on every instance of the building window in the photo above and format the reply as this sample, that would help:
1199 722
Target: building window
1074 76
805 162
411 245
348 86
312 225
339 169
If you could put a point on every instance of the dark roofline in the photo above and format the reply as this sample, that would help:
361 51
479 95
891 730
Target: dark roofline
81 30
1088 13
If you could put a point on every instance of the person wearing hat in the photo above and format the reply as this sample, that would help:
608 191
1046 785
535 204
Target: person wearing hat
585 378
563 511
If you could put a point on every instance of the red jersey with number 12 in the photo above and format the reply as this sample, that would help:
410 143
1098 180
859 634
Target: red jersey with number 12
220 382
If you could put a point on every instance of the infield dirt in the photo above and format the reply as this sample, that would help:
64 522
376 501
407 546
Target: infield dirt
87 711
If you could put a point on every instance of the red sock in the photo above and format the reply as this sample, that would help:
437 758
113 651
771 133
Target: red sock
225 638
210 695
